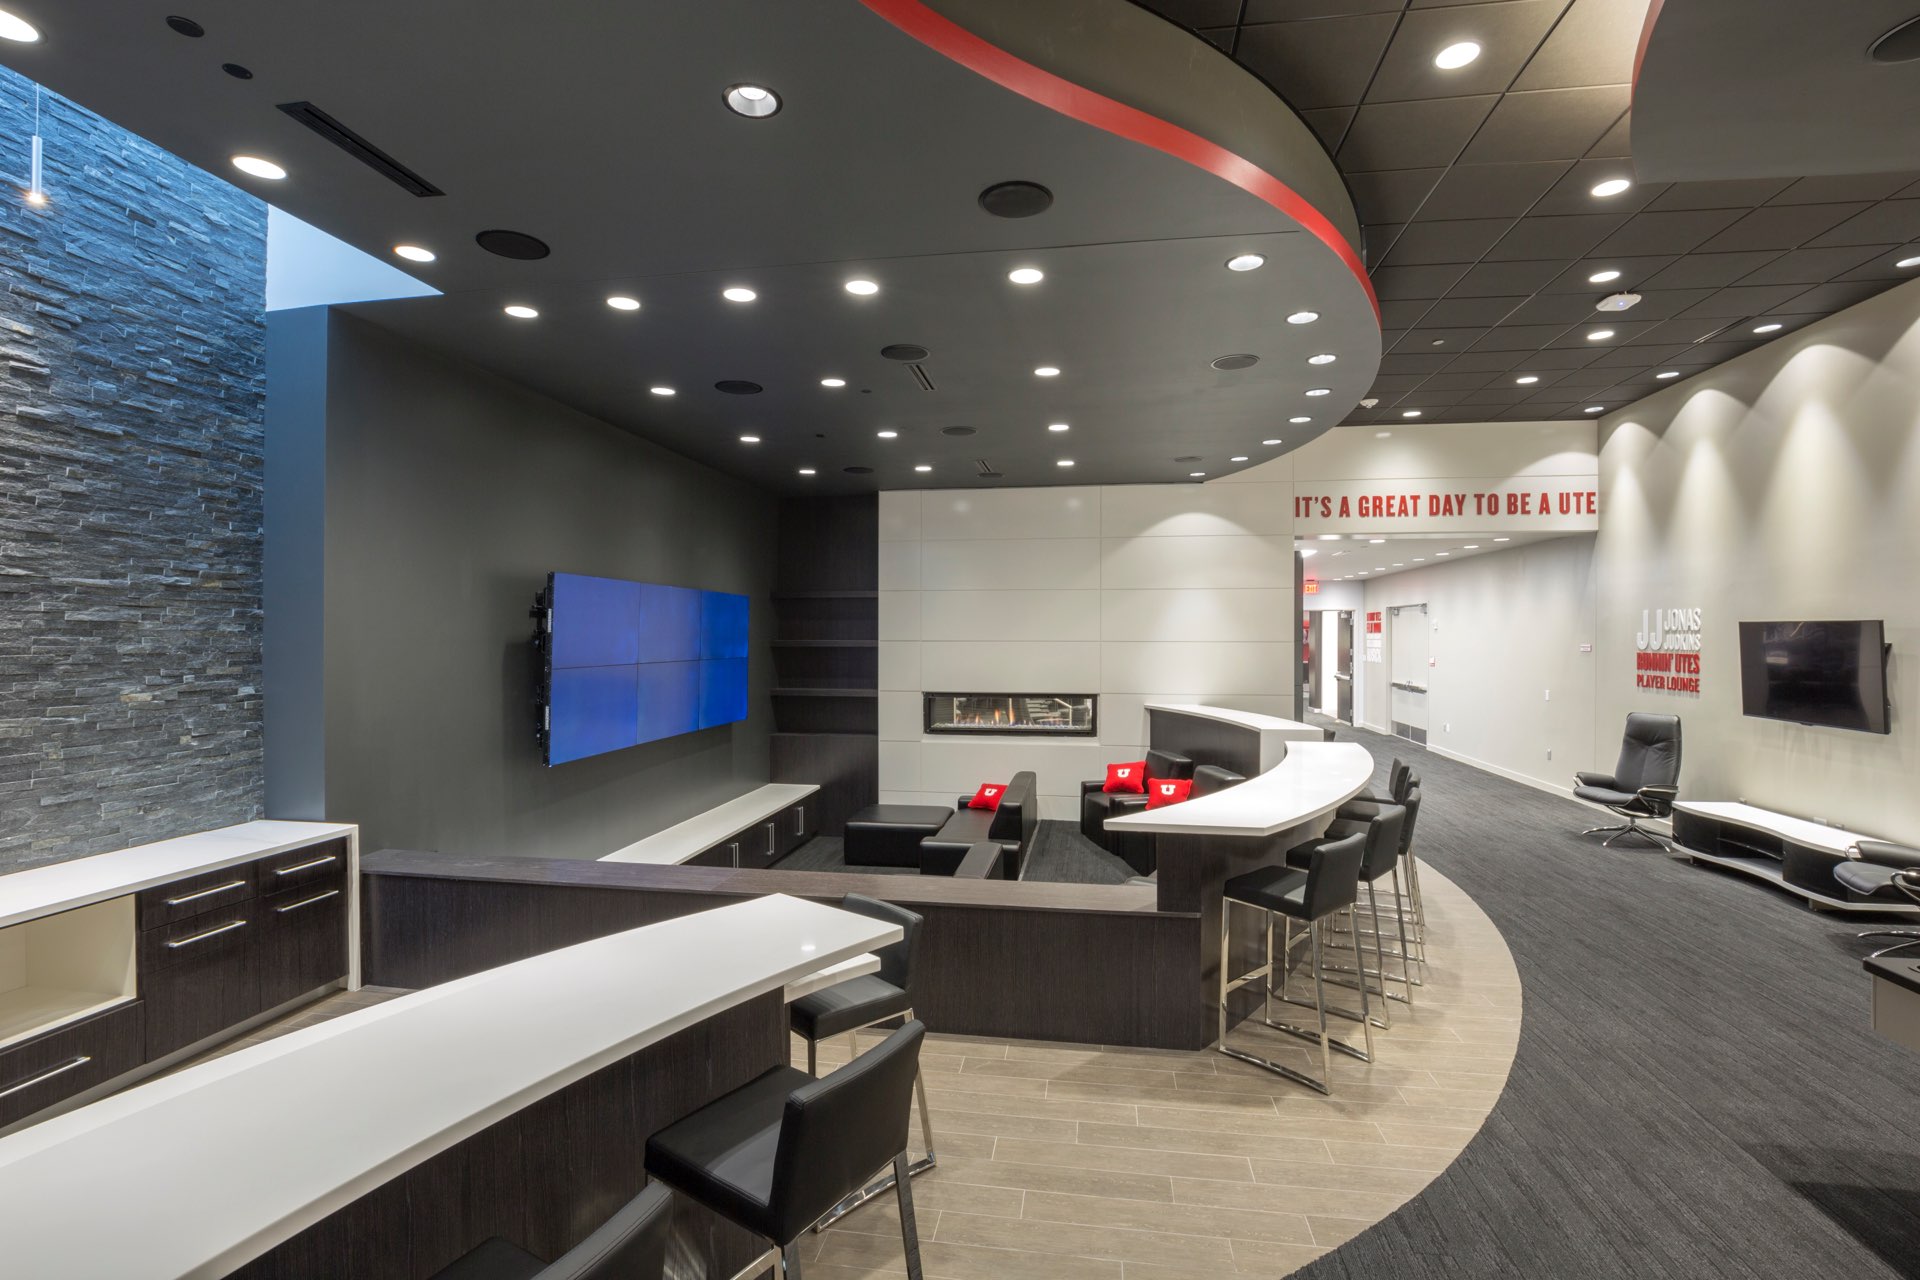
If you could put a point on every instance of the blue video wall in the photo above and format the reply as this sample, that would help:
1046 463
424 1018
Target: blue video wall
632 662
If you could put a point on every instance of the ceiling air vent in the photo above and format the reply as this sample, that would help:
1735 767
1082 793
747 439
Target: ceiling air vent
983 470
359 148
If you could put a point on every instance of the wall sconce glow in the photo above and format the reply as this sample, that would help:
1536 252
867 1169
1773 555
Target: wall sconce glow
738 294
1528 380
621 302
1246 262
755 102
519 312
1303 317
36 187
861 288
255 167
17 29
1455 56
1322 358
833 382
415 253
1603 277
1026 275
661 391
1599 335
1611 187
1046 371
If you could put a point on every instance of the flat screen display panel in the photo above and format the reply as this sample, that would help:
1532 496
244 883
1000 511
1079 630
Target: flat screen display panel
634 662
1832 674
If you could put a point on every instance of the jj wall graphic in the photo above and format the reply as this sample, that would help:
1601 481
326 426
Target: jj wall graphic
1668 651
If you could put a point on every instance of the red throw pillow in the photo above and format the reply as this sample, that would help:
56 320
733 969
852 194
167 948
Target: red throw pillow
1162 792
1128 778
988 796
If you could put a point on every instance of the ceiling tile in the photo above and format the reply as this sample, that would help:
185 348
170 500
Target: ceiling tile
1220 37
1708 270
1811 266
1616 142
1457 312
1680 332
1295 10
1555 308
1452 381
1840 190
1411 135
1593 44
1198 13
1623 331
1664 304
1465 240
1740 301
1421 362
1402 313
1329 124
1520 337
1395 195
1491 190
1675 232
1504 279
1640 354
1742 193
1781 226
1828 298
1881 265
1632 272
1388 386
1376 239
1497 396
1549 124
1484 361
1415 282
1573 194
1892 222
1421 339
1507 35
1325 63
1569 237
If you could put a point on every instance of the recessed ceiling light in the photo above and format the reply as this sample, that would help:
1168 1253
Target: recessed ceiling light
1399 564
1298 419
1906 263
755 102
1375 541
1410 413
1596 408
1026 275
738 294
255 167
1238 457
1064 462
1503 539
1246 262
806 471
17 29
864 288
1196 474
1527 380
1455 56
887 435
1419 559
923 467
1046 371
1057 426
519 312
1768 328
1303 317
1603 277
1472 546
749 439
1271 442
1383 435
661 391
1443 553
1323 358
1666 374
1321 391
1329 537
1599 335
621 302
1611 187
833 382
414 253
1308 553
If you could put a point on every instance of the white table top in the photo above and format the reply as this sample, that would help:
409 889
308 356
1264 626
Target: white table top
1315 779
1799 830
62 886
704 830
832 976
194 1174
1275 733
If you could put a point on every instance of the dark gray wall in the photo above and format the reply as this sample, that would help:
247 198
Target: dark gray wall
448 495
132 360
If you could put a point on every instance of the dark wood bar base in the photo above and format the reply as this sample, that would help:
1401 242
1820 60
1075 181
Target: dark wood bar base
546 1176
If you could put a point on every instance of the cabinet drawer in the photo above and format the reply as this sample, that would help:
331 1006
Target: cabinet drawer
298 868
724 854
302 943
209 891
213 933
198 977
40 1072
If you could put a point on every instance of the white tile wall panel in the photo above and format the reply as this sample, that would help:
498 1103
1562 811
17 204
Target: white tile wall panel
1193 613
1165 511
900 665
899 566
1011 615
1232 563
899 615
1001 514
1197 668
1015 666
900 766
1039 564
900 515
901 715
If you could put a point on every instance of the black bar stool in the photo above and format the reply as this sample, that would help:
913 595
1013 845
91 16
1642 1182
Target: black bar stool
1409 917
1384 829
850 1007
631 1245
775 1155
1330 884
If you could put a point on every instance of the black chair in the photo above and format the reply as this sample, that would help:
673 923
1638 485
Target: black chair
631 1245
1884 872
1386 829
1097 805
1329 885
777 1154
1409 909
850 1007
1643 784
1137 848
1400 776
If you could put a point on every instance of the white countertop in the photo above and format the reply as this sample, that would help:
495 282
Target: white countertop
1799 830
61 886
195 1174
1275 733
1315 779
704 830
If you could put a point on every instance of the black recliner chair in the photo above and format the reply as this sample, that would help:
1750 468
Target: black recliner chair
1645 781
1884 872
1097 805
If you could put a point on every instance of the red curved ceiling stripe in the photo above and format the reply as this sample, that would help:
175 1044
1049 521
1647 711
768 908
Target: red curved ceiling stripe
949 38
1646 38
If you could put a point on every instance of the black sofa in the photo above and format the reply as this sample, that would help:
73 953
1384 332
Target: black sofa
1137 849
1097 805
1012 824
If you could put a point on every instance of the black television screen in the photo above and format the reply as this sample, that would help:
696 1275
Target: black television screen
1822 673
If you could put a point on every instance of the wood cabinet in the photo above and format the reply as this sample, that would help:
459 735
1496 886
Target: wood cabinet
39 1072
302 943
198 978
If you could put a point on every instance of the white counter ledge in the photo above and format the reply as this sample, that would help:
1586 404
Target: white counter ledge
1315 779
688 839
195 1174
1272 733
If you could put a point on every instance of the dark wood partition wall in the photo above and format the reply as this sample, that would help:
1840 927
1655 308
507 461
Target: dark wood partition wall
1205 741
826 653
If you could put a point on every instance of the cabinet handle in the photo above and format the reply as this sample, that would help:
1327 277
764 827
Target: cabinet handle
799 820
206 893
735 846
773 837
306 866
229 927
306 902
78 1060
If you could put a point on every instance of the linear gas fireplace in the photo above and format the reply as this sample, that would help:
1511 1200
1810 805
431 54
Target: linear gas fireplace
1026 715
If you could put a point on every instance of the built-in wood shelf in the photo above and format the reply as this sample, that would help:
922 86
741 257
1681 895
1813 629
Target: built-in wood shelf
62 968
826 693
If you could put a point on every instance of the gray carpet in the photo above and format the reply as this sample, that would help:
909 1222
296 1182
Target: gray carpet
1697 1091
1059 855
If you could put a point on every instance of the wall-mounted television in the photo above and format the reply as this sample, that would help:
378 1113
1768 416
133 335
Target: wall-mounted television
622 663
1832 674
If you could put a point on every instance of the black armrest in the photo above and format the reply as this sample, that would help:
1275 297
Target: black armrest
1092 786
1659 800
1885 853
1596 780
982 862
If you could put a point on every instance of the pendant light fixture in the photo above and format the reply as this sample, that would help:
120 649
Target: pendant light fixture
36 189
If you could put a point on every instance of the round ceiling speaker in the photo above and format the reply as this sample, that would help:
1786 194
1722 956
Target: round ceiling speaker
1016 199
1618 302
738 387
1188 457
1241 361
858 471
956 431
237 71
906 351
186 26
1902 44
513 244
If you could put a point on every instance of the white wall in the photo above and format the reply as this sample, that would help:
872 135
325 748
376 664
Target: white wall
1784 484
1133 592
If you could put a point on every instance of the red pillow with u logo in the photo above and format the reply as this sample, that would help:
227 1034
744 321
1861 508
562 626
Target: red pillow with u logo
1162 792
988 796
1128 779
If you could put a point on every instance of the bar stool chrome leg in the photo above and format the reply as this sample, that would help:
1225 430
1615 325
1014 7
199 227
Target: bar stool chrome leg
914 1168
1229 984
